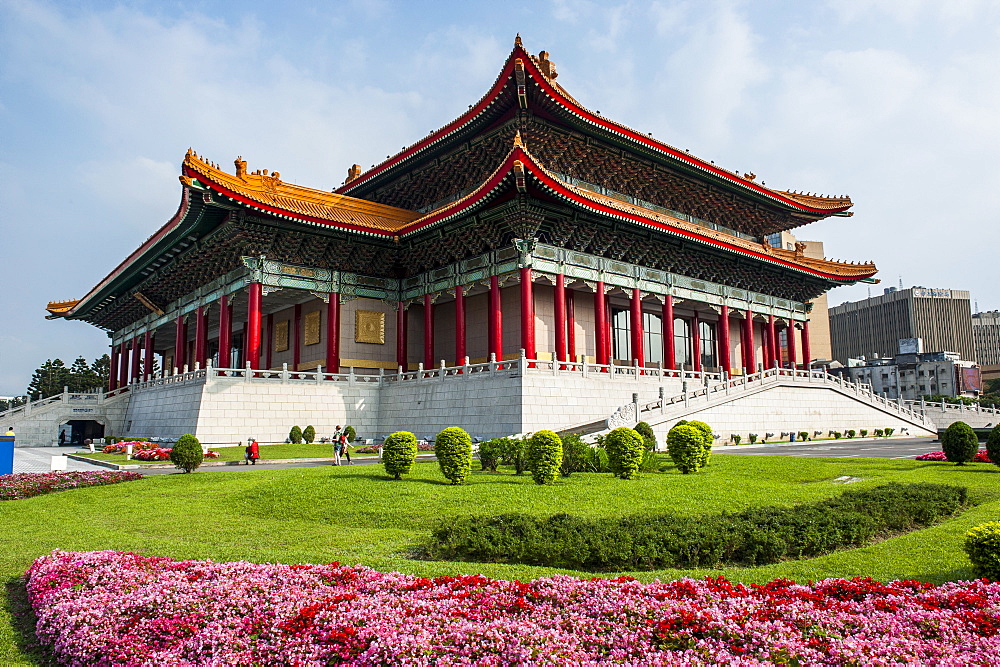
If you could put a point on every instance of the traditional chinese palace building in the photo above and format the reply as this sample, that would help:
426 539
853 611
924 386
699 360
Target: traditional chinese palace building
528 228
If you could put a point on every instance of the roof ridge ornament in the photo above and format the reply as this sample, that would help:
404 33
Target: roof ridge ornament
518 141
517 41
241 167
546 66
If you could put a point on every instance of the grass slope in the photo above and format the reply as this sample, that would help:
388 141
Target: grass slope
357 515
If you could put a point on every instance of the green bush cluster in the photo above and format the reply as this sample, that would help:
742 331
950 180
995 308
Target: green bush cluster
295 435
453 449
982 545
959 443
752 537
186 453
399 452
648 437
690 445
888 431
350 433
309 435
993 445
505 451
545 455
625 448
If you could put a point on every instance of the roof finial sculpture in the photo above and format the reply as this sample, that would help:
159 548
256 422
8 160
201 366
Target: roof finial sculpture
517 139
353 173
517 40
547 67
241 167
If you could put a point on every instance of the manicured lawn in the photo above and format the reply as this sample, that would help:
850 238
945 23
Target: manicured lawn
356 515
314 451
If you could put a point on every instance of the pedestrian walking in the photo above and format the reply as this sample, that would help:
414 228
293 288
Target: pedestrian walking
338 446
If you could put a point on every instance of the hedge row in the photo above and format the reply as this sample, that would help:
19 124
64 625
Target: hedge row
752 537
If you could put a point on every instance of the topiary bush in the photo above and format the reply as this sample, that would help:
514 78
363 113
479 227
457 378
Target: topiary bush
993 445
399 453
309 435
625 449
453 449
576 455
803 435
186 453
736 438
864 433
491 452
545 455
753 438
646 431
878 433
685 444
982 545
959 443
707 439
889 431
350 433
851 433
295 435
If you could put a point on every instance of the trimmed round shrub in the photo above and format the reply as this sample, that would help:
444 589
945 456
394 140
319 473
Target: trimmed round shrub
959 443
646 431
453 449
545 455
399 453
295 435
308 435
490 453
706 432
625 449
350 433
186 453
685 444
982 544
993 445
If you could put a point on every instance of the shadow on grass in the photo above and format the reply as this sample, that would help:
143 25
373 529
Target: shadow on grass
939 577
23 622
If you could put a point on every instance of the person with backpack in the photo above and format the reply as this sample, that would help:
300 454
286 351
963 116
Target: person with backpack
345 447
338 446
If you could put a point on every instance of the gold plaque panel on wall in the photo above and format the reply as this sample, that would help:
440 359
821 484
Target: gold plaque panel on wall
312 328
369 327
281 336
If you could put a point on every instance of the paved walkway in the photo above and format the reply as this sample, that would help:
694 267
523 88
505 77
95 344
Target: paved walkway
39 459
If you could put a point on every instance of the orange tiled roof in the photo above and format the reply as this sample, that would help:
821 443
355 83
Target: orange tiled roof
60 308
269 191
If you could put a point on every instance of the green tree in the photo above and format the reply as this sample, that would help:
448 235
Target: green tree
646 431
993 445
49 379
625 449
545 455
685 444
453 449
309 434
959 443
399 453
295 435
102 369
186 453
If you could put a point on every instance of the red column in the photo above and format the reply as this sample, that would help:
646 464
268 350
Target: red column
225 332
333 333
570 325
560 318
123 369
268 342
253 325
806 352
495 320
669 354
527 313
459 325
136 357
401 336
600 324
746 325
724 351
772 342
199 336
147 369
297 334
428 332
180 344
695 342
113 371
635 317
792 362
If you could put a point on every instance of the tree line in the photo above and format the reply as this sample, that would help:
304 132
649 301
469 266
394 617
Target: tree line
50 378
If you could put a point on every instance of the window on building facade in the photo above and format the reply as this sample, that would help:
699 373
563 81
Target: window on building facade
620 335
708 344
652 331
682 341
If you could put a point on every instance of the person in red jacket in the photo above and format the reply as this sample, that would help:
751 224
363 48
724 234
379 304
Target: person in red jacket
253 452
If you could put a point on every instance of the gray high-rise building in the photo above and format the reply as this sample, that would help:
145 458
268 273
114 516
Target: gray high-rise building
986 333
873 327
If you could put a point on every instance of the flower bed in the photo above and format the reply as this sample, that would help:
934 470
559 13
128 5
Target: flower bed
121 608
119 447
28 484
159 454
980 457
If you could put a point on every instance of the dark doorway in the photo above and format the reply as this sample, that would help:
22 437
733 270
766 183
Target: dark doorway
75 431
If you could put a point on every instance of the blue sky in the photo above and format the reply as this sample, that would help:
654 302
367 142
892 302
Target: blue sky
894 102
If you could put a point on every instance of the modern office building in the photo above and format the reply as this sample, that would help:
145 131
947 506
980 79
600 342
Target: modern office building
986 334
872 328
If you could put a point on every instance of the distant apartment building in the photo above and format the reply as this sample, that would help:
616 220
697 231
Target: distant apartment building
986 334
872 328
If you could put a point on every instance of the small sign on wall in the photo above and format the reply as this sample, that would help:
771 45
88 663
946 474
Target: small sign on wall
312 328
281 336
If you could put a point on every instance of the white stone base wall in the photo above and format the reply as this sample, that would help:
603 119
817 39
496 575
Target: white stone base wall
164 411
